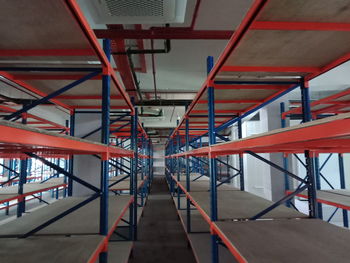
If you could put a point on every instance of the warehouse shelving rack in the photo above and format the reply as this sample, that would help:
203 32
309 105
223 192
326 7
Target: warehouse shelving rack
329 106
10 198
268 56
85 64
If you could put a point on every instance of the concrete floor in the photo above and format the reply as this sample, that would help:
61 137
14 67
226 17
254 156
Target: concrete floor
161 236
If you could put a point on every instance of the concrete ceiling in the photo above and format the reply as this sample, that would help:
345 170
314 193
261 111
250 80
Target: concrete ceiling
181 72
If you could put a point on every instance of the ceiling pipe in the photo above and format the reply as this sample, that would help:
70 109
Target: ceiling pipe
154 70
137 86
164 33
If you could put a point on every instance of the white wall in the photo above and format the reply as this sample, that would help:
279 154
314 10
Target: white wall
87 167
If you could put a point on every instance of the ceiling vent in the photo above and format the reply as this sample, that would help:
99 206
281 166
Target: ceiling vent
137 11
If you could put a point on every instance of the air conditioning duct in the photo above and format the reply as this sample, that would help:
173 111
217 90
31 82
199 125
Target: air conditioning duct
137 11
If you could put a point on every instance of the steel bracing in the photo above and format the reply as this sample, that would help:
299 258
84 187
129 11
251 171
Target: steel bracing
126 174
247 77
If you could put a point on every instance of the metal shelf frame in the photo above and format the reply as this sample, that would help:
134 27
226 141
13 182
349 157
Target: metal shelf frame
308 139
328 106
21 140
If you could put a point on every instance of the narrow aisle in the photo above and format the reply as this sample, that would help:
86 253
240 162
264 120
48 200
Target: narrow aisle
161 236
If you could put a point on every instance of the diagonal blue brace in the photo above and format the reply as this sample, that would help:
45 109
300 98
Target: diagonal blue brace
119 128
277 167
63 214
222 137
99 128
52 95
279 202
62 171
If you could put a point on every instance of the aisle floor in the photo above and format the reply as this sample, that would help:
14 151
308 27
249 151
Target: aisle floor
161 235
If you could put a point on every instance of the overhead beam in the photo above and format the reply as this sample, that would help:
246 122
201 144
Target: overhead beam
230 101
269 69
163 33
164 103
302 26
239 87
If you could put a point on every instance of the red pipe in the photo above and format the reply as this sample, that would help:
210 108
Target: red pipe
195 14
154 72
142 57
163 33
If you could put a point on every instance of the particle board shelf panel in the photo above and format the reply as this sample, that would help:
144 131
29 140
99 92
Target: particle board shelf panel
77 47
125 184
289 241
50 249
293 48
7 197
40 32
338 198
200 242
33 187
84 221
18 138
203 186
119 252
325 135
10 193
241 205
271 51
333 104
126 217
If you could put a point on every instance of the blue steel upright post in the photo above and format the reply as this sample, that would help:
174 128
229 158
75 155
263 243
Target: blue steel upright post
240 157
133 174
106 82
188 187
212 164
310 171
71 160
285 159
178 166
342 186
22 178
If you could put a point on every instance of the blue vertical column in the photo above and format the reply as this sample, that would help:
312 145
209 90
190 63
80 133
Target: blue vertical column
9 177
66 167
134 162
285 159
342 186
188 186
106 93
71 160
143 164
178 166
171 146
240 157
318 183
310 171
212 165
201 169
22 178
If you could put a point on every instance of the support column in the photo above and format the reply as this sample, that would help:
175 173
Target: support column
188 187
342 186
106 94
22 178
178 141
133 175
71 161
212 165
285 158
241 163
310 171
